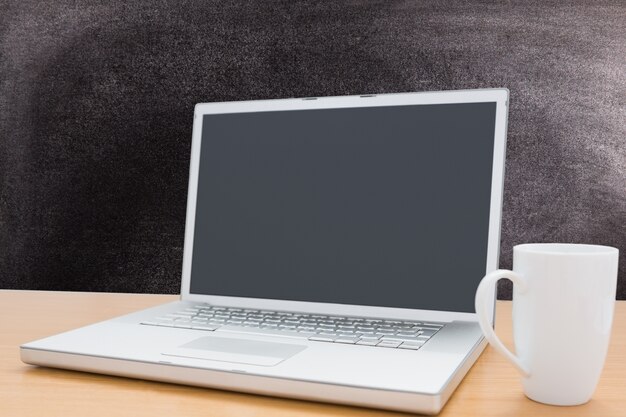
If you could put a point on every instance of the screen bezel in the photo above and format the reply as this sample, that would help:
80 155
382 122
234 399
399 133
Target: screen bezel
498 96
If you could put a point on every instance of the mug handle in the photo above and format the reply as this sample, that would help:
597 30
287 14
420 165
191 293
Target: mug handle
484 295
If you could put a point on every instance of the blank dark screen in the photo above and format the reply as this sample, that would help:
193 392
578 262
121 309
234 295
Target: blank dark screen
379 206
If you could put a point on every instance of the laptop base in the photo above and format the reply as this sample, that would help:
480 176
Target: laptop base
255 384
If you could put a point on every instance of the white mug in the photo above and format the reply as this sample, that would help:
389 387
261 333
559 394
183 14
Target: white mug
563 301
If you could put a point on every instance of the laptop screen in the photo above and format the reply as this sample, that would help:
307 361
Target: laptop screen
379 206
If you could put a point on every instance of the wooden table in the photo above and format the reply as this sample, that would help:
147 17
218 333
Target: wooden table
491 388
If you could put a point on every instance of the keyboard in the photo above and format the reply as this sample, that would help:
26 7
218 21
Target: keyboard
397 334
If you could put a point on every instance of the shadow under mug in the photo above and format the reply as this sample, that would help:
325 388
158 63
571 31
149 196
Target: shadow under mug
563 302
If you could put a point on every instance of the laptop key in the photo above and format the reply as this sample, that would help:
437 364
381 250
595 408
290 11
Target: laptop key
370 337
349 335
367 342
398 339
347 340
409 346
414 342
408 334
322 339
389 343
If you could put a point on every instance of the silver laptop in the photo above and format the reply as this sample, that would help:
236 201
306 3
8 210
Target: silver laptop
333 246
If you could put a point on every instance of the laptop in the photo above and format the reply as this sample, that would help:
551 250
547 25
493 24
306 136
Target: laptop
333 246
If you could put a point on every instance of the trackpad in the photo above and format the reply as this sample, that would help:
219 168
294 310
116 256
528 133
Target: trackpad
225 349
